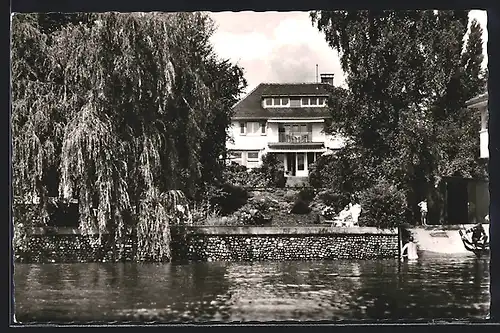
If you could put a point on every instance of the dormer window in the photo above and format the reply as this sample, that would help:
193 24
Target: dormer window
313 101
276 101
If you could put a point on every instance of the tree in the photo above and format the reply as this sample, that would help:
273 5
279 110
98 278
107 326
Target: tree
115 112
408 78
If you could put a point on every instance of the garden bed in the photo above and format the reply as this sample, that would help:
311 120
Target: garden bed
277 205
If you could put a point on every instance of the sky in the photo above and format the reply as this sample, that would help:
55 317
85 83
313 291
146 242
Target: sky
283 46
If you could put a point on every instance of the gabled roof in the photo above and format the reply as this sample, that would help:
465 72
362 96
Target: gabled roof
250 107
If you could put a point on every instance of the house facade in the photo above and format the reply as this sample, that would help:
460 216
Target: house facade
286 119
478 190
480 103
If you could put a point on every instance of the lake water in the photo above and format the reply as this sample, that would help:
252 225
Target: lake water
432 288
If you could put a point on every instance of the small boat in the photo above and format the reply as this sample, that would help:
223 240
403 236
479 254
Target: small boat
478 248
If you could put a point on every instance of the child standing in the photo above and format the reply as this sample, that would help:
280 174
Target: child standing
423 212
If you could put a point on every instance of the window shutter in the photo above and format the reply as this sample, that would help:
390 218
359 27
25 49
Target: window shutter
242 127
263 127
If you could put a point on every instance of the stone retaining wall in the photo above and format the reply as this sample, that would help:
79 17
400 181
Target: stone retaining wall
224 244
283 243
67 245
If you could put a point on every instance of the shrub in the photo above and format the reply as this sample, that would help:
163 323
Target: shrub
324 171
337 201
222 221
342 171
270 174
307 194
384 206
274 170
290 196
236 174
229 198
256 178
301 207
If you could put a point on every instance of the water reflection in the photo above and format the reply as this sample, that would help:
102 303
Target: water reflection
265 291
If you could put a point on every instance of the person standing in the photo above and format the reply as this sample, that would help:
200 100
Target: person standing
423 212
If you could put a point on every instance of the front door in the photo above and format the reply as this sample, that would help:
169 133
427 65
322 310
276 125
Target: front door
291 164
301 165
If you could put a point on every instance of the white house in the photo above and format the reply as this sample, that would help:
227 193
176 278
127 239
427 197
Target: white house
479 189
287 119
480 103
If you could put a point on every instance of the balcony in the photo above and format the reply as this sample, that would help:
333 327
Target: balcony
295 137
296 140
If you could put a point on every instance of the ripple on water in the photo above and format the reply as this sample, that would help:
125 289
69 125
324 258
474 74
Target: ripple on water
262 291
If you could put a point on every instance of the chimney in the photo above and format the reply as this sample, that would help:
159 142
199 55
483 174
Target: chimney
327 78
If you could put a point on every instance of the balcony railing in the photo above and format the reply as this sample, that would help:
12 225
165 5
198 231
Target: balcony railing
295 137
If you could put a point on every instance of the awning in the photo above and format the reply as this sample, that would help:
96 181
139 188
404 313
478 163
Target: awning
295 146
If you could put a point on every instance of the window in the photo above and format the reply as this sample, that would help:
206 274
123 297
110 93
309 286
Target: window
276 101
253 128
263 127
311 158
235 154
300 161
313 101
253 156
484 119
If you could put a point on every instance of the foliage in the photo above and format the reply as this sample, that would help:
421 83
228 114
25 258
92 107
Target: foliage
344 171
156 214
301 207
228 198
237 174
409 75
307 194
329 213
274 170
271 173
116 111
383 206
335 200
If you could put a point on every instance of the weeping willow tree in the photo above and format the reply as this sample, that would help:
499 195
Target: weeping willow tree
114 112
